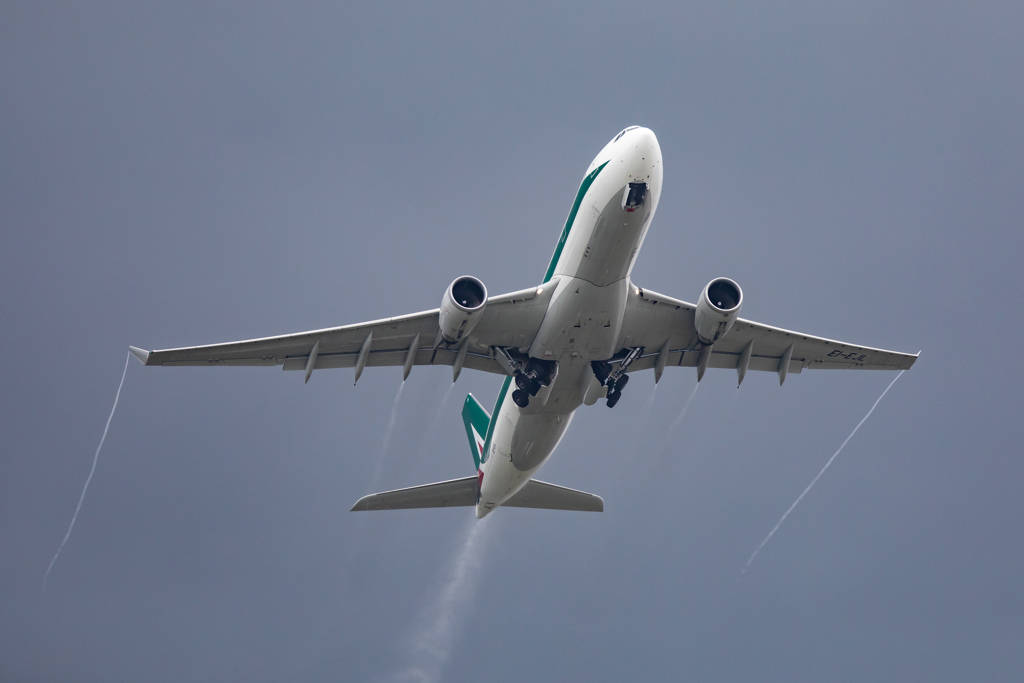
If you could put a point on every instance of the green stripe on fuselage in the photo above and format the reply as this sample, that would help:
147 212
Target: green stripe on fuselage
584 186
490 427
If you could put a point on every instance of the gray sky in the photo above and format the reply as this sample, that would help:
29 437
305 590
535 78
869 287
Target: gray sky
184 174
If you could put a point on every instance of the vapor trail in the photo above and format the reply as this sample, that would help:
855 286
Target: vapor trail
391 420
646 420
425 441
85 488
379 469
641 429
813 481
433 643
650 399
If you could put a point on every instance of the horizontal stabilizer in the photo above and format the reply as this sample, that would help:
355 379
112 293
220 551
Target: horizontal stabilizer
462 493
540 494
443 494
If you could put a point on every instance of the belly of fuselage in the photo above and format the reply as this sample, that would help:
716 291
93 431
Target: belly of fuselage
520 445
584 317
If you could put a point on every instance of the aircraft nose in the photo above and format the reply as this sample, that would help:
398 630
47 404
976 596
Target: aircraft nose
644 137
646 142
643 153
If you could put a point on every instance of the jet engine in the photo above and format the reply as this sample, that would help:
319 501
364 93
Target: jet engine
717 309
461 308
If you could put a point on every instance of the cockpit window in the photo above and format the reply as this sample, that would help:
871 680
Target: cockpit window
624 131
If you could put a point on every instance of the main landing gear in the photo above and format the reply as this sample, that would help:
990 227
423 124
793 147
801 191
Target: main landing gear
616 379
527 386
529 376
615 390
521 398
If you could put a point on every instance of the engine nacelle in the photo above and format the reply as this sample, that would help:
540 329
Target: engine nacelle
717 309
461 308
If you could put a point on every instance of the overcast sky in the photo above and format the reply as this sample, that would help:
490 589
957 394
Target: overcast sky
186 174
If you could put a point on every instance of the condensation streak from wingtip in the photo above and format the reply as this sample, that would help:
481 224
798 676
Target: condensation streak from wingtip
431 426
92 470
818 476
391 420
378 469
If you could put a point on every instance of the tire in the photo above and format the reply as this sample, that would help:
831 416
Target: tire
521 380
521 398
613 398
621 383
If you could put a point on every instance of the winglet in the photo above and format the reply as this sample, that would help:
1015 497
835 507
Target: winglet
141 354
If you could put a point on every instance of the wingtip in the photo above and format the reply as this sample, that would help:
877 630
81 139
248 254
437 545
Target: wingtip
141 354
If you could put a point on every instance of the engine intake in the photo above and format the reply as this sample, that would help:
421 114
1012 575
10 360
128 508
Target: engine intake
461 307
717 309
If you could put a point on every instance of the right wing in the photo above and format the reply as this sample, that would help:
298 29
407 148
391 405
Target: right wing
658 322
509 320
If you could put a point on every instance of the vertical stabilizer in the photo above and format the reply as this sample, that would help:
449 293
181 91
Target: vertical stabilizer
477 420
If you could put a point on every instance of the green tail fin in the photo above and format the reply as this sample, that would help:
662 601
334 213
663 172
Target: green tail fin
477 420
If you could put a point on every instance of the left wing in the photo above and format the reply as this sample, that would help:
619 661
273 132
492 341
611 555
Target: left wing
664 327
509 320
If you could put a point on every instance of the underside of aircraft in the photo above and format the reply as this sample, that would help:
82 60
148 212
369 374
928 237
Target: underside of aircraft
573 339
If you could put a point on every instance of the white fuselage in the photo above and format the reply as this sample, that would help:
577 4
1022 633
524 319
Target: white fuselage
590 273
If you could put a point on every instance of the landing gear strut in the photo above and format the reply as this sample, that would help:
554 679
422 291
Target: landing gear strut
615 380
615 390
528 384
530 375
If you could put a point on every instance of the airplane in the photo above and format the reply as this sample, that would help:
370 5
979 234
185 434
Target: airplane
573 339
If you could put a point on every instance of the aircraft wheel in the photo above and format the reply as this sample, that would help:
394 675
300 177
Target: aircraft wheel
613 398
521 398
621 383
522 380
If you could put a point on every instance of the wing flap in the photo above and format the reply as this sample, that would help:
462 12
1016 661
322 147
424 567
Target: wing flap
687 358
425 355
652 319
